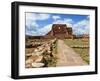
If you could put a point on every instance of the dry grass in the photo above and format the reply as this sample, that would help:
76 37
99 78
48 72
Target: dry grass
84 52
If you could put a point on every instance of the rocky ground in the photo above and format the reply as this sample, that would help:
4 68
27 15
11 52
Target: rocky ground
42 55
51 53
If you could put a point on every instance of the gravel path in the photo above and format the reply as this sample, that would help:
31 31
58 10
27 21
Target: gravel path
67 56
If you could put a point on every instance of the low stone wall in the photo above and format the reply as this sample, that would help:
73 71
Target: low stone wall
42 56
80 46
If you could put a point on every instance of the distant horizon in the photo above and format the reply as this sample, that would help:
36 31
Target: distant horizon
39 24
48 32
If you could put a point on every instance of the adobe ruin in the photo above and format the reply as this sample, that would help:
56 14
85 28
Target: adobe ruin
60 31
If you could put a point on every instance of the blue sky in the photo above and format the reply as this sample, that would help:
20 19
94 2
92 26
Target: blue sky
38 24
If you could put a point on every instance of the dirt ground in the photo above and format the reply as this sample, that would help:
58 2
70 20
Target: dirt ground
67 56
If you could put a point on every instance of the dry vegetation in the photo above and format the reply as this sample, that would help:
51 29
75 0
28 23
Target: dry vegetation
43 52
40 53
81 46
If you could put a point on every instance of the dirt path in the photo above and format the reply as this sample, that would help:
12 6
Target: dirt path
67 56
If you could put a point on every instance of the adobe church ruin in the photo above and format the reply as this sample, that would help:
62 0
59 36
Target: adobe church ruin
60 31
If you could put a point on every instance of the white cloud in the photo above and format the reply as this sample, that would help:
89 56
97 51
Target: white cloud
31 24
28 16
43 16
36 16
68 22
44 30
39 31
55 17
81 27
32 28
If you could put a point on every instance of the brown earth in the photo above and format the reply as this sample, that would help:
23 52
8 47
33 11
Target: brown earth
67 56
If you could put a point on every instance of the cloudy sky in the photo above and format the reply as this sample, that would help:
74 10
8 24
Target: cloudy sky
38 24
